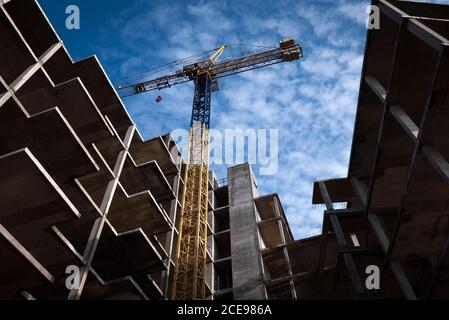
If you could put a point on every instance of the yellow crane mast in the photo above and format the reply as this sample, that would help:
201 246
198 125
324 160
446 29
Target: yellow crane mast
189 281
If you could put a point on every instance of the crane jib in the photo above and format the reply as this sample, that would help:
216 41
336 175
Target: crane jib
288 50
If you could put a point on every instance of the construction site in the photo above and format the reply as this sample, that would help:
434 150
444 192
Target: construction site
139 220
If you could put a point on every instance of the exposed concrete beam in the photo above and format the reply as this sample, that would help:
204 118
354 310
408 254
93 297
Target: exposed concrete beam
270 220
49 53
340 190
31 70
72 248
391 11
30 43
18 33
405 121
26 294
26 254
44 173
325 228
437 161
438 76
98 226
25 76
426 34
437 268
67 243
361 189
360 250
296 276
336 273
377 88
325 195
403 281
280 246
345 212
338 230
353 273
366 193
283 239
417 28
382 236
347 257
323 244
4 97
134 283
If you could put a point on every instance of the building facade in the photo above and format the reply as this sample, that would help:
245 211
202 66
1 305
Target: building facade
86 203
246 227
391 238
396 190
89 209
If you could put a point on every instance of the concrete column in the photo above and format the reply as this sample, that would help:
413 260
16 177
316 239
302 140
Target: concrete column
286 256
247 269
210 239
170 245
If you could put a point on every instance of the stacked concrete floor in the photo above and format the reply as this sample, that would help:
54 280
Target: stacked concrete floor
78 184
396 193
80 188
397 188
246 227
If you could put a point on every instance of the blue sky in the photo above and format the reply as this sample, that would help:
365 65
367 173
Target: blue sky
311 103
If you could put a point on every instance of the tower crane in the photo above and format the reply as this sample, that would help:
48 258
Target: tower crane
189 281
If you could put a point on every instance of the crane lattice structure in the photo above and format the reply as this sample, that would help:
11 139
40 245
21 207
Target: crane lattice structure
189 281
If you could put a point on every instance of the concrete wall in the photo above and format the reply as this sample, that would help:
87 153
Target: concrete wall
246 261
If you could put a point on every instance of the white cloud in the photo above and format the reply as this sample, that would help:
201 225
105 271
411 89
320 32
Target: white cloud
354 11
312 103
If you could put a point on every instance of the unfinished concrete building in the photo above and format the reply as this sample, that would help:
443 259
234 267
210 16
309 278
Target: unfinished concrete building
246 227
81 188
396 214
397 187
